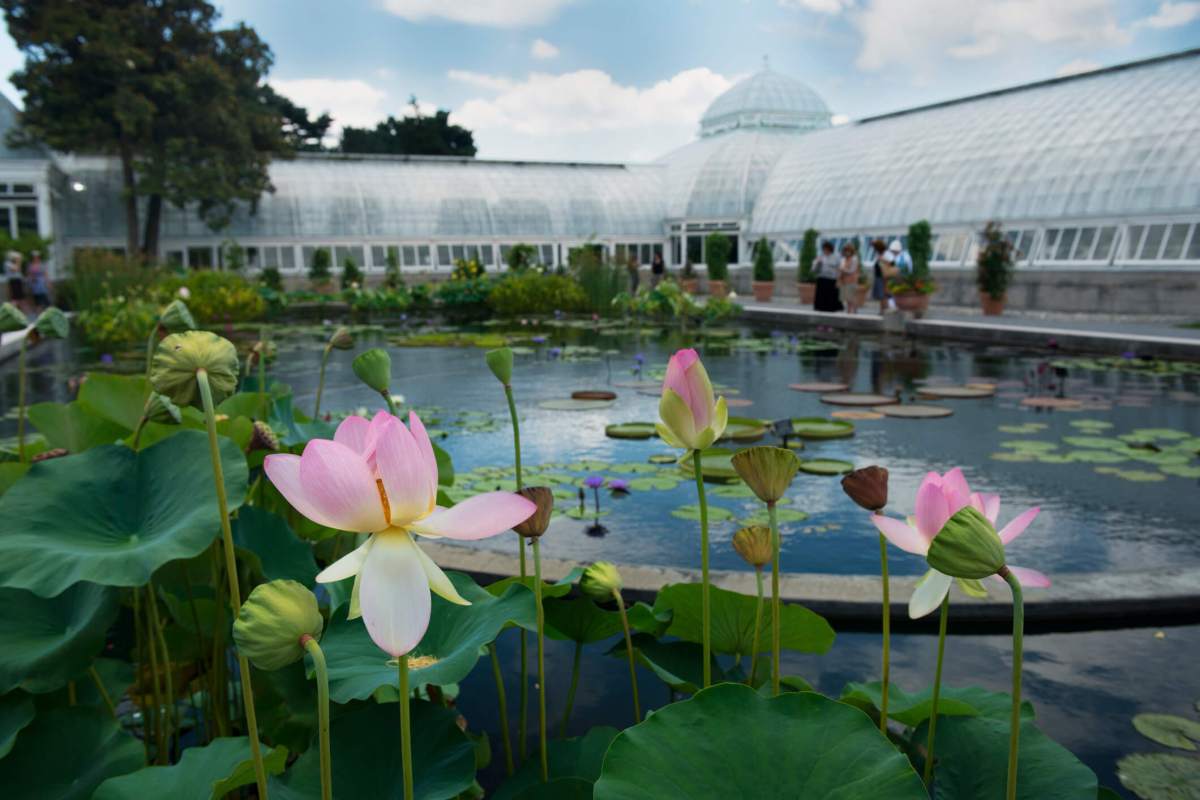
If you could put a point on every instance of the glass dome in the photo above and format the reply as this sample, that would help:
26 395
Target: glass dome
766 99
720 176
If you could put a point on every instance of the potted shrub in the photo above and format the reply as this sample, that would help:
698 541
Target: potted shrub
716 247
994 269
351 274
764 271
806 281
319 270
913 286
689 280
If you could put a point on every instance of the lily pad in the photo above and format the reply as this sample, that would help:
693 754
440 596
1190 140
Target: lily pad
575 405
855 414
113 516
1160 776
1181 471
1168 729
821 428
650 483
1093 441
66 753
744 429
973 391
799 744
663 458
820 387
1024 427
1030 445
447 653
915 411
212 770
738 491
1099 457
1135 475
826 466
715 464
1161 434
578 760
1091 424
49 641
631 430
854 399
783 516
692 512
1060 403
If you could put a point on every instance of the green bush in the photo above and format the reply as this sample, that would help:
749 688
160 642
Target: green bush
376 300
467 299
920 238
994 264
716 255
101 274
465 270
764 261
233 256
529 292
319 271
422 297
808 254
351 274
601 282
113 323
213 297
521 256
391 274
271 278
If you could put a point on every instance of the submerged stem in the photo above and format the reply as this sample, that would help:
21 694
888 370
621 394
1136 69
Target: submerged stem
705 610
562 731
149 642
235 598
758 612
541 658
523 691
1018 643
321 382
405 728
322 674
637 707
937 687
776 605
104 695
22 379
502 700
161 641
887 634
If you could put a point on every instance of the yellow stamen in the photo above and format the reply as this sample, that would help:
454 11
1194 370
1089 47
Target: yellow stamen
387 510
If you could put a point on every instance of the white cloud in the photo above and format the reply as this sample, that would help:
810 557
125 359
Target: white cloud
586 114
543 50
915 33
490 13
1171 15
350 102
1076 67
820 6
839 119
495 83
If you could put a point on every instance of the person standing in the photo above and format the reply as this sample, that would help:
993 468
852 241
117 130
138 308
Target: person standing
632 265
38 286
657 269
879 285
848 278
827 267
16 280
901 257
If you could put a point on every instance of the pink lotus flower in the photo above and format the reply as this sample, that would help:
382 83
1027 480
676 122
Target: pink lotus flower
690 418
939 498
380 477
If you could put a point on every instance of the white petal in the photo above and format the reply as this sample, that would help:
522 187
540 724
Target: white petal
347 565
928 595
438 581
394 594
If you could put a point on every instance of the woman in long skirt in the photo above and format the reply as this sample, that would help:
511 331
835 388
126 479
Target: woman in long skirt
826 269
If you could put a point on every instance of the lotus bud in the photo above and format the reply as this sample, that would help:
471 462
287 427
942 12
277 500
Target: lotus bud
11 319
52 323
753 544
690 419
600 580
766 470
263 438
159 408
967 546
341 339
536 524
500 362
180 355
176 317
258 350
273 621
374 368
868 487
46 455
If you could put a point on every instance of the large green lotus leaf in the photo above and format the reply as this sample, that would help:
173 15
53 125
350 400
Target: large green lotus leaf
203 773
48 641
72 427
365 751
357 667
972 762
645 619
286 702
908 709
1160 776
269 546
733 621
113 516
66 753
728 739
572 761
578 619
294 428
116 398
16 711
10 473
677 664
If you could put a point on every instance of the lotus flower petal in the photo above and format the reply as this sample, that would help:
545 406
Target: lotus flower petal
425 448
986 504
901 534
1018 524
347 565
438 581
956 489
677 416
403 472
352 432
476 517
932 509
394 594
1028 578
928 594
341 487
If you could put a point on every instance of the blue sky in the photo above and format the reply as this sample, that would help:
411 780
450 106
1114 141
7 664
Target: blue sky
628 79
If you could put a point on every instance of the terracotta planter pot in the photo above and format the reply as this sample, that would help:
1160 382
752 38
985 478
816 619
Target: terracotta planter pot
718 289
808 292
992 307
861 299
690 285
916 302
763 291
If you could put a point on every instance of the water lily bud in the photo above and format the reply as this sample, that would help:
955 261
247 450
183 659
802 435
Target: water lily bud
11 319
767 470
341 339
536 524
262 438
967 546
600 580
272 621
868 487
180 355
374 368
52 323
159 408
176 317
753 544
500 362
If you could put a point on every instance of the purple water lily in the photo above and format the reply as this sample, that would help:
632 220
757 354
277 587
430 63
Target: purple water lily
106 358
538 340
554 352
618 487
593 481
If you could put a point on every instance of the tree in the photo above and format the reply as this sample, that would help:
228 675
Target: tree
521 256
808 254
764 261
920 238
416 135
319 270
299 132
351 274
716 254
153 83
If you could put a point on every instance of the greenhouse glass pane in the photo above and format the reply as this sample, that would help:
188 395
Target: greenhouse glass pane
443 251
1066 241
1193 251
1133 240
271 260
1083 247
378 259
1104 243
486 252
1174 246
1154 239
424 259
287 260
1049 242
409 254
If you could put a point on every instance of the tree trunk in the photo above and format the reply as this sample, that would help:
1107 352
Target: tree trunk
153 222
130 191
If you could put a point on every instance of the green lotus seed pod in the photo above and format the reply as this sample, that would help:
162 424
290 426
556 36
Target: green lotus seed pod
967 546
180 355
341 339
159 408
272 622
176 318
374 368
52 324
766 470
600 580
500 362
11 319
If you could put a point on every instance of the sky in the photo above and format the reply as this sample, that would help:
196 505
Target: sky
627 80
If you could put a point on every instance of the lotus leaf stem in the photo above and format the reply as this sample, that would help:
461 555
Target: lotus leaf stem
758 613
22 379
776 605
502 699
562 731
523 692
405 727
160 640
104 695
705 610
1014 735
637 708
937 687
887 634
541 658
